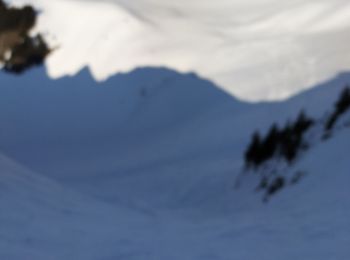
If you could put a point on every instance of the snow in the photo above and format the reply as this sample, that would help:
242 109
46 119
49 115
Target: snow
42 220
256 50
143 166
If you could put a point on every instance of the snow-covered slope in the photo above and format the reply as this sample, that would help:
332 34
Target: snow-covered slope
143 166
76 129
40 219
254 49
148 122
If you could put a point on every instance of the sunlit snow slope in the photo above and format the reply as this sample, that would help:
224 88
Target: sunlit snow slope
254 49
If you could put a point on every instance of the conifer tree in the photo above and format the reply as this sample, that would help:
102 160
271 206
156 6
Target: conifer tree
341 106
253 153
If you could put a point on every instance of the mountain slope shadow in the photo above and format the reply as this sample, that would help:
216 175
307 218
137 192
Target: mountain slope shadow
152 136
76 129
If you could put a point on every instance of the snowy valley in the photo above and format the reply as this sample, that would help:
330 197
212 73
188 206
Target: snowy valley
155 163
148 162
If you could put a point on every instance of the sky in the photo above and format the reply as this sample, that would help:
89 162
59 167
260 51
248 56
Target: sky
255 49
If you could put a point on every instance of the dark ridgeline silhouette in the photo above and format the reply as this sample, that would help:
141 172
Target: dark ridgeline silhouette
283 143
341 106
18 50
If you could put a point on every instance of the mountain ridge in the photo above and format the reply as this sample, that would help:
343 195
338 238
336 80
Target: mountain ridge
167 174
284 46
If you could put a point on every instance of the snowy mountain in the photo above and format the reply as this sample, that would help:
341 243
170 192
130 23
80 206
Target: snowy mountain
256 50
153 163
43 220
144 166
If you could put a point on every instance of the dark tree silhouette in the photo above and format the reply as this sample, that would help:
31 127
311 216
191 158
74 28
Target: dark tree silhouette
275 186
292 137
285 142
253 154
18 49
288 143
270 143
302 124
342 105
